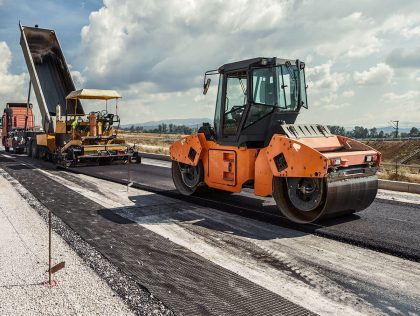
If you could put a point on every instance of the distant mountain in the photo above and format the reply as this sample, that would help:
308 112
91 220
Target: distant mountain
390 129
191 122
403 128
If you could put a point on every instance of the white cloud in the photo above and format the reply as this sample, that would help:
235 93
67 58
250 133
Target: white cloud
404 107
355 36
170 42
411 32
407 25
379 74
77 76
11 86
330 102
156 105
409 96
348 93
155 53
400 58
321 77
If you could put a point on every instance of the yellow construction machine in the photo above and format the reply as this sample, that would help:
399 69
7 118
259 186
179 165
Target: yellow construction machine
70 136
79 139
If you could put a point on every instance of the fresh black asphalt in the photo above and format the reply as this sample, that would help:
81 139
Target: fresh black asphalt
388 226
185 282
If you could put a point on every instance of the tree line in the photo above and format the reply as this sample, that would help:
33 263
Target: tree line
363 132
163 129
356 132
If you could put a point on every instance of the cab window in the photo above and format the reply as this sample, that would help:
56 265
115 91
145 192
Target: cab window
235 103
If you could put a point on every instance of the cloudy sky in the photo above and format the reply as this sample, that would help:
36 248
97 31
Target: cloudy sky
363 57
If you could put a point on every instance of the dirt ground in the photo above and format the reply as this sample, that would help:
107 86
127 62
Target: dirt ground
393 151
151 142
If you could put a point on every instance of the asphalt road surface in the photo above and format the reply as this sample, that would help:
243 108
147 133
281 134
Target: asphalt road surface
198 256
388 225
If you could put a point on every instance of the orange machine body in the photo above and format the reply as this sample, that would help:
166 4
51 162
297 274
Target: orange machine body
229 168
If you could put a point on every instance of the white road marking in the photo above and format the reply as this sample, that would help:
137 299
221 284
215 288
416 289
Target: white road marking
154 162
7 156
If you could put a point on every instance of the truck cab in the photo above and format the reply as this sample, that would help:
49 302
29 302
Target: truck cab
17 123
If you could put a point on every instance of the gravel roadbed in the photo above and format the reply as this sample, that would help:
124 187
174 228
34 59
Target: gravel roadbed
88 285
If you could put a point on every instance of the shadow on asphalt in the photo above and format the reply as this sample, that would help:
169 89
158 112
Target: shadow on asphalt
154 209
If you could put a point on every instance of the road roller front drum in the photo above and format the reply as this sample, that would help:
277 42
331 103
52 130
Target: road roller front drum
305 200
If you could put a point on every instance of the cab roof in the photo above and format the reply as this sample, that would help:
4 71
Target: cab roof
258 61
18 105
94 94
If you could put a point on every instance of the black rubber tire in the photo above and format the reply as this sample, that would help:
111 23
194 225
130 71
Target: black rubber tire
7 149
105 161
67 164
285 206
29 148
179 183
18 151
135 158
35 150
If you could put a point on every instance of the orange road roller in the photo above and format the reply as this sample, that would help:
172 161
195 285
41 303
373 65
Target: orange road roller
255 143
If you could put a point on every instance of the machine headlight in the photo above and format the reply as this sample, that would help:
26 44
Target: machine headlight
335 161
369 158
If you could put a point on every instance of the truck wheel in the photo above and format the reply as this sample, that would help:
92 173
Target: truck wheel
67 163
35 151
187 178
136 157
29 148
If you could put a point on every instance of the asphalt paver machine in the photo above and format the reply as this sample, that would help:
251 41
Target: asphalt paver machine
83 139
70 136
256 144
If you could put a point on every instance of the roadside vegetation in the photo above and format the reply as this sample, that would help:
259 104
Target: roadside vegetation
363 132
163 129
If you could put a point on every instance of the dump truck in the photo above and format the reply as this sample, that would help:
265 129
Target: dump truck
71 137
17 127
255 143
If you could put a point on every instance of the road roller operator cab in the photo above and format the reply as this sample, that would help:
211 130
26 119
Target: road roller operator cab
255 143
255 97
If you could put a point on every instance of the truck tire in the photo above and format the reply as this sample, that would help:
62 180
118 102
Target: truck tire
35 150
29 148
